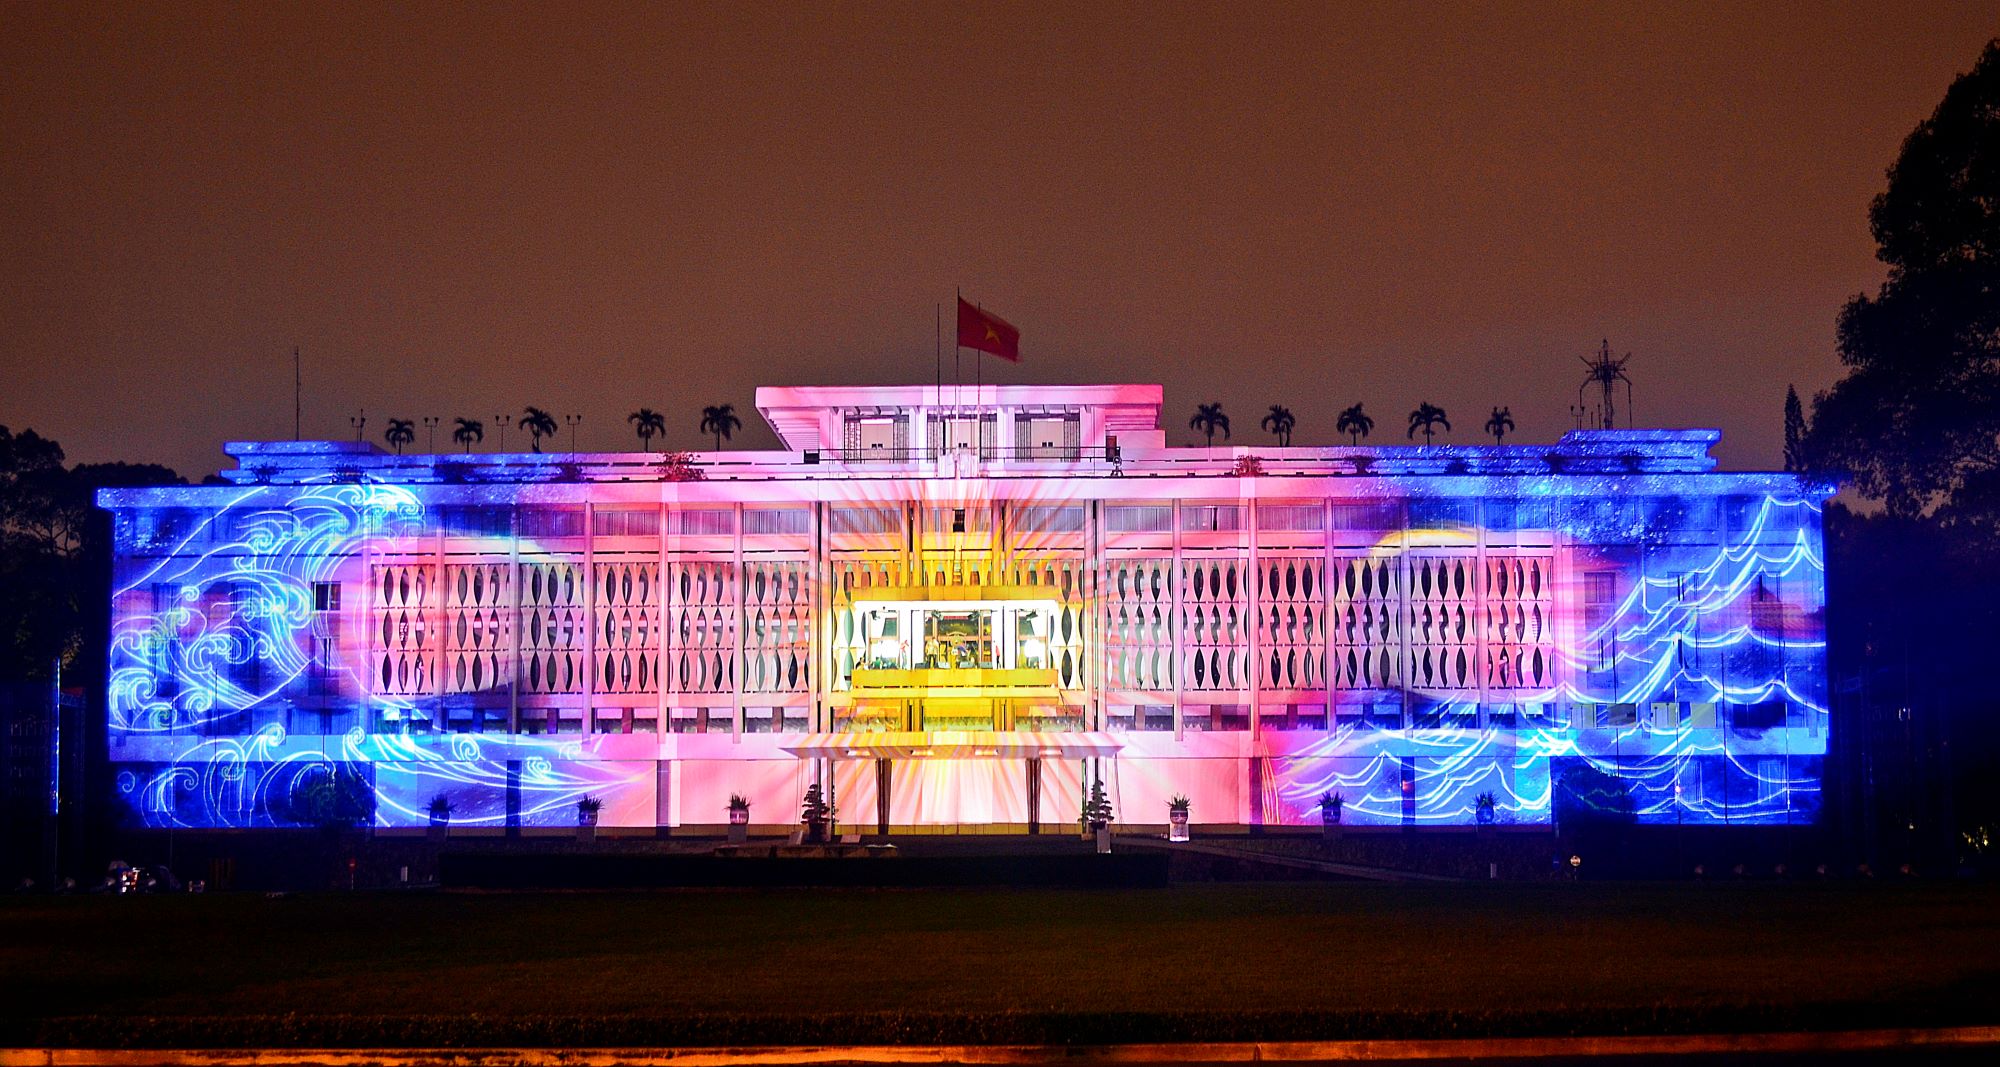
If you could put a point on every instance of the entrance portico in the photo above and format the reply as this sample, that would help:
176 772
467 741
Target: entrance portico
986 780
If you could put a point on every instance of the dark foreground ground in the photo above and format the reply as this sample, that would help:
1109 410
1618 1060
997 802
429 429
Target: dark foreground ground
1264 961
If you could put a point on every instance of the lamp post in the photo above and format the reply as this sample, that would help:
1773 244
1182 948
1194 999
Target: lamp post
1679 856
431 427
358 422
502 421
571 421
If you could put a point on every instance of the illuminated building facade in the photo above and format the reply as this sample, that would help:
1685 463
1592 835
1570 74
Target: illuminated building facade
958 609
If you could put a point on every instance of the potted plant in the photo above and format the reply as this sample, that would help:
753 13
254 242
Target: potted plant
815 812
1097 815
1482 809
440 811
1177 818
739 818
1330 804
586 817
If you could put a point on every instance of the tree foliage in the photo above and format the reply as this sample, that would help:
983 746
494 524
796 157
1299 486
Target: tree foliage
1209 418
1280 423
1795 432
1915 424
55 557
1355 423
720 420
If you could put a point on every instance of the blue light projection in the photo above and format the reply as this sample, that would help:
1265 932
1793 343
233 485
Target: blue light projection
1651 742
1691 684
235 591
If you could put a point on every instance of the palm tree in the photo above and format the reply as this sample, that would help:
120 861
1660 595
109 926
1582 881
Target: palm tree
469 432
1209 418
1500 424
539 424
720 420
1280 422
1354 423
1426 418
648 423
400 432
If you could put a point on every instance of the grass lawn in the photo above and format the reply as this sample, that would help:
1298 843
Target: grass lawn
1221 961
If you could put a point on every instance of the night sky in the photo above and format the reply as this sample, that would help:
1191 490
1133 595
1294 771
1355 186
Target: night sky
459 210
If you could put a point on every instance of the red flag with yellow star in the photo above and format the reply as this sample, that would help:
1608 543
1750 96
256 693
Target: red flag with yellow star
987 332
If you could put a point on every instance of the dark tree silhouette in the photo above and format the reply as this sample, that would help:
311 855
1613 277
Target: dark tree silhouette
721 421
1915 423
469 432
1355 424
400 432
1279 424
55 559
1795 431
1208 418
1427 418
648 424
539 424
1499 424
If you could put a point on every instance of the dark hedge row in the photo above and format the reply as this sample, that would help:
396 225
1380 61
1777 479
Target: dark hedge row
1968 1007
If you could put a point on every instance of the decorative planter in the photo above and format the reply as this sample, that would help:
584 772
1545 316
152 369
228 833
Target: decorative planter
816 832
1329 827
586 826
1177 826
1103 831
739 825
440 828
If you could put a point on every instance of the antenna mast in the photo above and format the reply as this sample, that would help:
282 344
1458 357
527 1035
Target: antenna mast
1606 371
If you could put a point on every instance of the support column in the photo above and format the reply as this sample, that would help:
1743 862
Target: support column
589 675
1175 626
515 623
882 778
735 674
1034 795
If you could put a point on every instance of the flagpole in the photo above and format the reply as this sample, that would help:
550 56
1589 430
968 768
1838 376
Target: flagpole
957 353
979 370
937 351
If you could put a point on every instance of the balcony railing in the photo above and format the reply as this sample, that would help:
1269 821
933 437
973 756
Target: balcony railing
946 682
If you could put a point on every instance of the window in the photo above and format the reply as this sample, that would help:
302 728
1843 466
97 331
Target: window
777 521
875 436
247 674
552 522
1211 517
1368 517
1290 517
165 527
1434 514
706 523
1045 518
322 680
626 522
1140 518
477 522
326 596
1512 514
1048 435
963 433
864 520
1764 715
970 519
